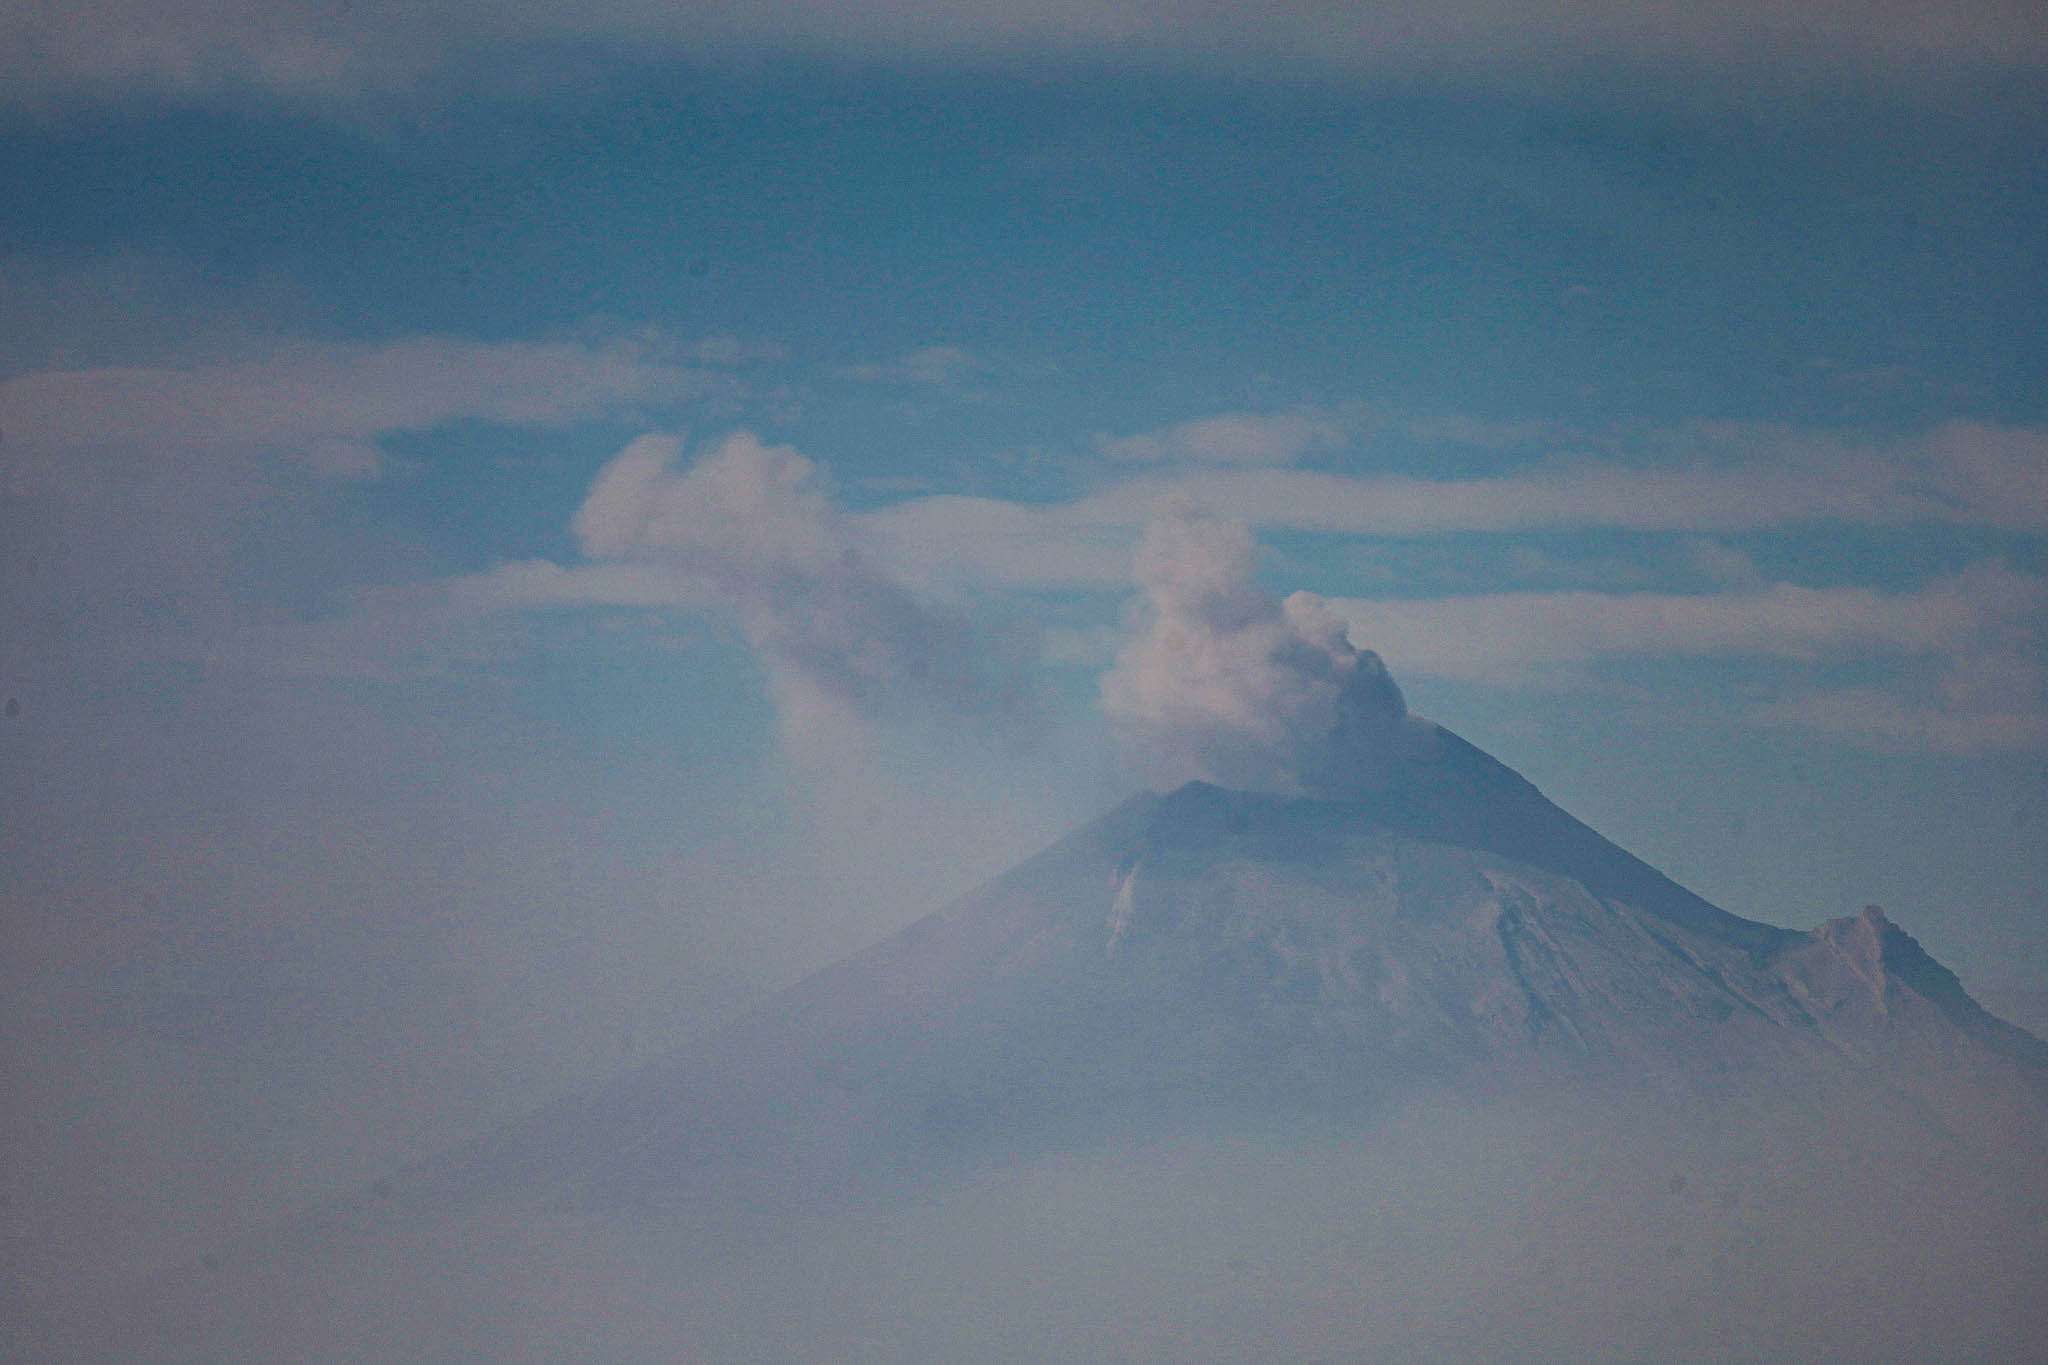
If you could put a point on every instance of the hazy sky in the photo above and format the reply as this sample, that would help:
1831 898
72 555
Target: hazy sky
523 530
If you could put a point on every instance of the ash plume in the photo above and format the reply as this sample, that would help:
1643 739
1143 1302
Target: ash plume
1229 685
754 526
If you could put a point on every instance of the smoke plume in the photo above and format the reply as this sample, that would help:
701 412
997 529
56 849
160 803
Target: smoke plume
754 525
1228 685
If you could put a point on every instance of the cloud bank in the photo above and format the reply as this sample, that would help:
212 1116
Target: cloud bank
1960 473
1228 685
329 404
1961 654
1509 637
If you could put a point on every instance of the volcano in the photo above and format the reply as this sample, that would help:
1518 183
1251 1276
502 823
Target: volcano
1379 1041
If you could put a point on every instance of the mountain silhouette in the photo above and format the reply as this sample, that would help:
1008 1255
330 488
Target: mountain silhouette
1213 962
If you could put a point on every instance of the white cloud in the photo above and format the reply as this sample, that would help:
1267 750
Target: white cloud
1511 638
724 348
1990 473
1969 475
1716 562
1960 473
1225 683
165 504
744 510
1465 430
1232 438
462 627
1759 479
328 403
752 528
748 529
1960 656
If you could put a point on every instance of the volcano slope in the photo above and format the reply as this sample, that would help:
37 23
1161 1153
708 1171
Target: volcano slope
1435 1074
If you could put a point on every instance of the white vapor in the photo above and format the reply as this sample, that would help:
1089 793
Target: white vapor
1229 685
753 527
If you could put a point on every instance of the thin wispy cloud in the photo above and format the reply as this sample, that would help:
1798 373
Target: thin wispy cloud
929 365
1957 660
1965 474
146 493
1941 722
325 53
329 404
1515 638
1962 474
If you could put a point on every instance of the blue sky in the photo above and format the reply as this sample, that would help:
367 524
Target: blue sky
1662 399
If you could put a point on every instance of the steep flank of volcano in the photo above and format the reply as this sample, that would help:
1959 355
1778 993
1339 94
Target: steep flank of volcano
1452 792
1214 951
1263 976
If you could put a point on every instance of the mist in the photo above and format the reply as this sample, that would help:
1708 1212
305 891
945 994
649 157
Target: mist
271 937
1515 1230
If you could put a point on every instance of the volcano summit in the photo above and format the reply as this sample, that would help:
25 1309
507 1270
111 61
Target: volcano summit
1432 1073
